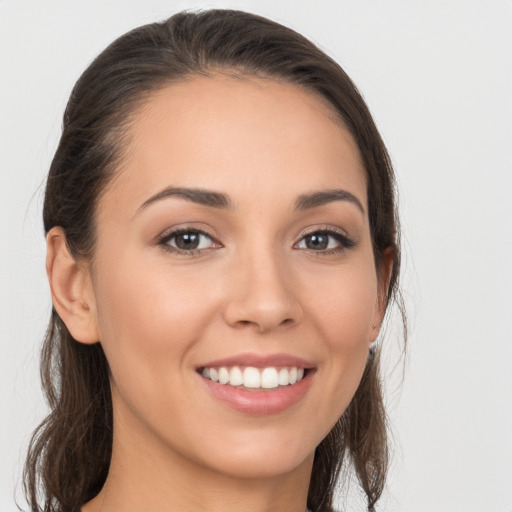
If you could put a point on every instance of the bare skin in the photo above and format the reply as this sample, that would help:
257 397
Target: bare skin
270 275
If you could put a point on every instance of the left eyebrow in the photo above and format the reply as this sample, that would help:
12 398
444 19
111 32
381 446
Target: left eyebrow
307 201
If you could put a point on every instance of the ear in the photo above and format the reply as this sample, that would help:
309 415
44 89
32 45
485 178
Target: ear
383 278
71 288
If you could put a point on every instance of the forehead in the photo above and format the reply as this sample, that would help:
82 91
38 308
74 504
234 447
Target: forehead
239 136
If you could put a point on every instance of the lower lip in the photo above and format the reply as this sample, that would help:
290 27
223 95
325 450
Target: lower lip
260 402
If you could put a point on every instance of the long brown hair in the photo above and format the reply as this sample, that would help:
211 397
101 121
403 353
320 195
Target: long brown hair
69 455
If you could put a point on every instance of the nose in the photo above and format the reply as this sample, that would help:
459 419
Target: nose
262 293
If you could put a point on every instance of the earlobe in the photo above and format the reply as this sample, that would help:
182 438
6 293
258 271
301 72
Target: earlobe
71 288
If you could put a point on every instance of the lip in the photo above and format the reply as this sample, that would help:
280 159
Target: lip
261 401
260 361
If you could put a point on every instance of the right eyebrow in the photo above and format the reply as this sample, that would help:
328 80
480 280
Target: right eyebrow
196 195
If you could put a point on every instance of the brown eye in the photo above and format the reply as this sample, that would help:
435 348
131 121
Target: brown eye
326 241
188 241
317 241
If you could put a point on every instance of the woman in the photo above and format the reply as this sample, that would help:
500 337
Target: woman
222 249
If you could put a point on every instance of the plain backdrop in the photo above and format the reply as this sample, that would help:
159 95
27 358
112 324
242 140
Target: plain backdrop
437 76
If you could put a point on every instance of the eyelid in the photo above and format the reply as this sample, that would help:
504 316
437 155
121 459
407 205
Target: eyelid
170 233
324 228
344 239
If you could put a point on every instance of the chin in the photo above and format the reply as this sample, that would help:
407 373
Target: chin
262 464
263 454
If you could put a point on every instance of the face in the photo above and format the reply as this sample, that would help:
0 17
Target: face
233 280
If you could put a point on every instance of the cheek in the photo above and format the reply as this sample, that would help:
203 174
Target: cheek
150 323
148 317
345 307
344 315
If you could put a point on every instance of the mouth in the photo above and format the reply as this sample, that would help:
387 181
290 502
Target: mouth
258 385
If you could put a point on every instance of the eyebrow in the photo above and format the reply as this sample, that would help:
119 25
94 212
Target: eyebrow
196 195
222 201
306 201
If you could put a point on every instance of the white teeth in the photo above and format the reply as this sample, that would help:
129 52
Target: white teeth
284 377
269 378
223 376
251 377
235 377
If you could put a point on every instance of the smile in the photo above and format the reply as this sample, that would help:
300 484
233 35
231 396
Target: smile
258 384
251 377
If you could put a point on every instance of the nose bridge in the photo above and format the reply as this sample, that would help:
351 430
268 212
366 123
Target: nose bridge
262 291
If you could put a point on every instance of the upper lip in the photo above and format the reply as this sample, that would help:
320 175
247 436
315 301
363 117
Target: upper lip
260 361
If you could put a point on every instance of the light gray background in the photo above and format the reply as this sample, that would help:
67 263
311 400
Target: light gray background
437 76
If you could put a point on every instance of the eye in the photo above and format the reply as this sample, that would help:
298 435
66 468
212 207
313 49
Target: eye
326 241
189 241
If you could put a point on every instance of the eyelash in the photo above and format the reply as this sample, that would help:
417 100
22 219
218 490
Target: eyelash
166 238
344 241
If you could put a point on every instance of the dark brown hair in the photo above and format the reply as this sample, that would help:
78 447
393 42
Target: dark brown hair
69 455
